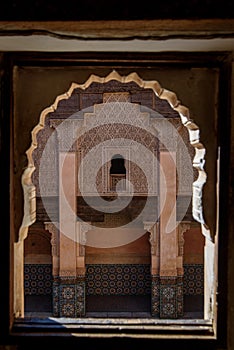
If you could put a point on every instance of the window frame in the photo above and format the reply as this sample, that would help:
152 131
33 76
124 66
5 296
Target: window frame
199 333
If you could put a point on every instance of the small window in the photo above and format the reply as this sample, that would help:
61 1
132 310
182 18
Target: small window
117 173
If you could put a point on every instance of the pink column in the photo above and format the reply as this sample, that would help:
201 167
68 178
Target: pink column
67 213
171 286
70 286
168 237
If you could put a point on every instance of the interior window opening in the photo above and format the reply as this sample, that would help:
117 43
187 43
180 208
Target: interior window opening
117 173
142 270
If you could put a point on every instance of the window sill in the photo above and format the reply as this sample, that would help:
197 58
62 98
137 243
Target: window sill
145 328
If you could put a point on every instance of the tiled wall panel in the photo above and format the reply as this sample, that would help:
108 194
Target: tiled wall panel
118 279
38 279
193 279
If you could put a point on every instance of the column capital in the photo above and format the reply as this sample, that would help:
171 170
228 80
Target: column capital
152 228
52 227
182 228
82 229
149 226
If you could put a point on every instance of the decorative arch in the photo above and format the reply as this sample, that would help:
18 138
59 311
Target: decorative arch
194 137
164 94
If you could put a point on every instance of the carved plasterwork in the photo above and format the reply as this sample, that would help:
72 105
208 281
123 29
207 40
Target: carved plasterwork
82 229
67 135
186 173
116 97
137 146
167 134
122 112
53 229
182 228
48 168
152 228
66 273
169 96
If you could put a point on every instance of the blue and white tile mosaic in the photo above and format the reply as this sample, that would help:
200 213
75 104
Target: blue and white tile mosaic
118 279
69 297
114 279
193 279
38 279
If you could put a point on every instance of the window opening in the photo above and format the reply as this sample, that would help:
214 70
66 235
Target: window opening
69 275
117 173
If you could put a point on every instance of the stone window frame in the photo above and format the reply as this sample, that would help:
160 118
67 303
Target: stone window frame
119 176
199 331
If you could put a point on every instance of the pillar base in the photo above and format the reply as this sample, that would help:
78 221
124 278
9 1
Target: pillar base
155 296
171 297
69 296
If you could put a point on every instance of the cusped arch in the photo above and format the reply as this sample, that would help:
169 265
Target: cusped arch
162 93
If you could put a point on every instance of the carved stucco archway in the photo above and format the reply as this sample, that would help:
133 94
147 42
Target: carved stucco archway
29 189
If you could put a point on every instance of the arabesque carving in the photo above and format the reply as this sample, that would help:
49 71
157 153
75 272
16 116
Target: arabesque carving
162 93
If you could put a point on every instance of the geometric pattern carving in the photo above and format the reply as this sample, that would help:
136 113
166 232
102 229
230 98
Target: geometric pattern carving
186 172
161 93
121 97
122 112
132 139
49 170
167 133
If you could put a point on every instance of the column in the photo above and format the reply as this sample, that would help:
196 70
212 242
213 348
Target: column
170 284
82 229
181 229
52 227
67 235
152 228
19 279
210 258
